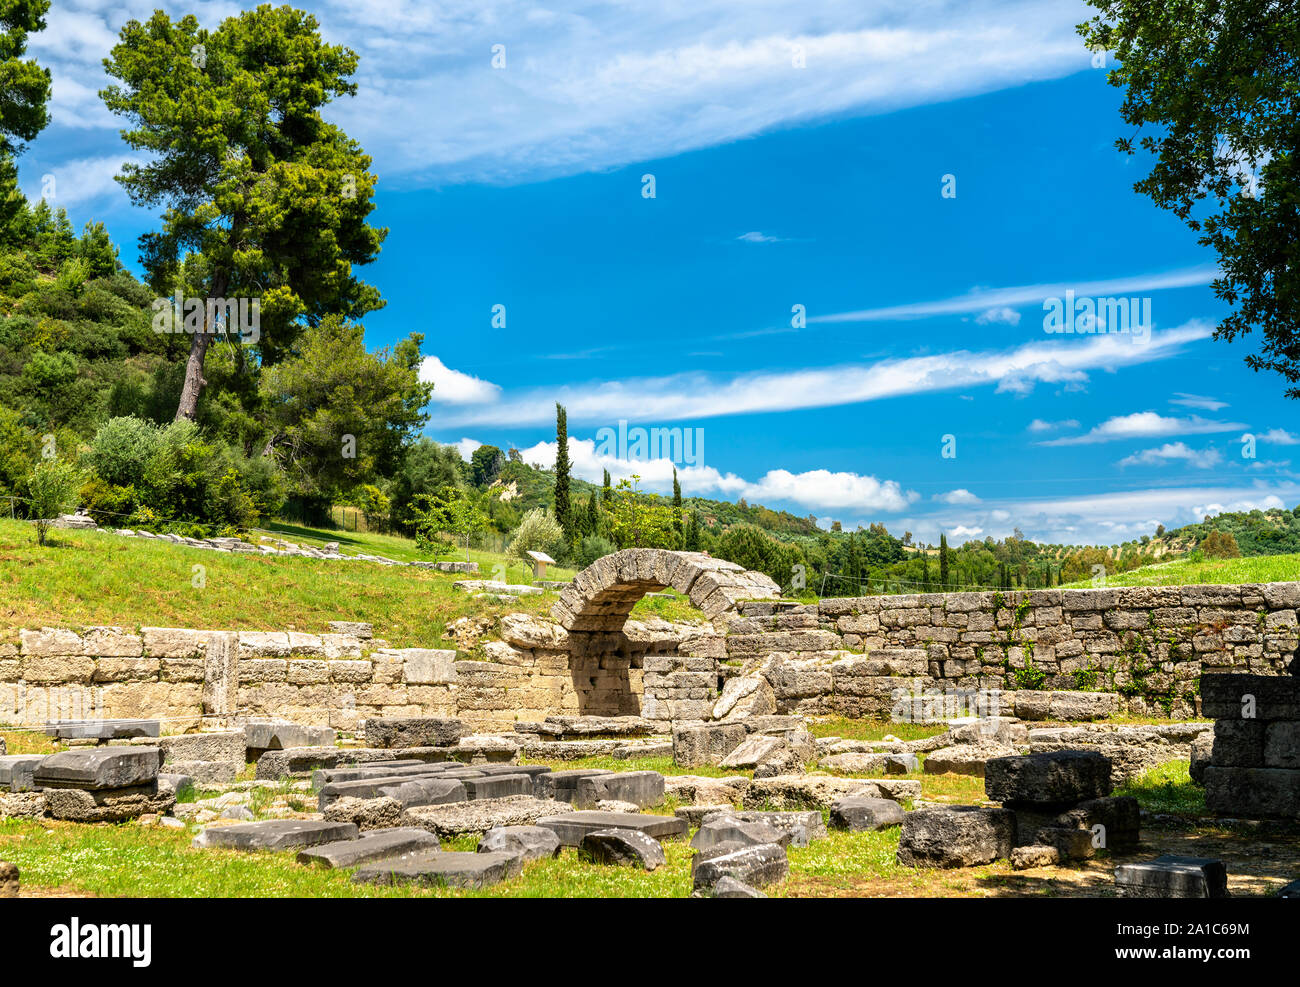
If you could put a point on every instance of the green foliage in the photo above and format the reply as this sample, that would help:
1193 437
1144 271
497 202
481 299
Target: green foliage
591 548
1220 545
52 489
485 465
563 509
1211 87
452 513
749 546
263 197
340 414
537 532
641 520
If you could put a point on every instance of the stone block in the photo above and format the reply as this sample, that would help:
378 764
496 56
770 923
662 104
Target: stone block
275 834
480 815
708 744
445 869
726 828
1045 779
756 866
955 836
107 805
641 788
16 772
99 769
102 729
1238 744
861 815
622 847
1233 696
1172 876
498 786
1282 745
571 827
421 731
382 844
528 842
1253 793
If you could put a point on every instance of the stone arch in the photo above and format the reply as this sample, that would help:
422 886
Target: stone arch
603 594
615 674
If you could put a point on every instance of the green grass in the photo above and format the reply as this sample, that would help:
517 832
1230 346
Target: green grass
847 729
83 578
1182 572
1167 788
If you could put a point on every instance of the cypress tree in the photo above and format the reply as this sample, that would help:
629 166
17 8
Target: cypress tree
943 561
606 492
593 515
562 512
677 500
693 532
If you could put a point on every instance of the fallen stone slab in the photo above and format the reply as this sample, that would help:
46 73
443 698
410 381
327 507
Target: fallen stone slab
964 759
274 834
409 790
865 815
528 842
698 789
571 827
16 772
810 791
801 826
641 788
694 815
366 814
622 847
563 785
726 828
382 844
1070 844
886 764
729 887
444 868
414 731
497 786
708 744
1115 822
757 866
303 761
1172 876
389 769
212 745
207 772
1056 778
276 736
955 836
1033 855
102 729
107 805
481 815
98 768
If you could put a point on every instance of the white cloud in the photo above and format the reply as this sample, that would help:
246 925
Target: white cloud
693 396
80 181
1197 401
1144 425
603 84
958 496
1038 425
1279 436
816 489
756 237
455 388
961 531
995 298
1173 452
1003 314
466 448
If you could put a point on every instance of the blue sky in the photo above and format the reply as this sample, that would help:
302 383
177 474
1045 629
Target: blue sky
799 154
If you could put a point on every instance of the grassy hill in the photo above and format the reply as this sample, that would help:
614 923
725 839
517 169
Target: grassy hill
1182 572
85 578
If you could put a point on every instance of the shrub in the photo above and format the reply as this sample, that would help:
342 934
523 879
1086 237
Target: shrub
591 548
537 532
52 487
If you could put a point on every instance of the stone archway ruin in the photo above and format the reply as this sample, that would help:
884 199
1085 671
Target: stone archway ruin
609 670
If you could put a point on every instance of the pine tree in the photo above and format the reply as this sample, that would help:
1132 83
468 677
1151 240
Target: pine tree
677 500
562 512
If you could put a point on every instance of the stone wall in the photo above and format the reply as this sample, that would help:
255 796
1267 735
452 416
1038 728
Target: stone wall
1148 645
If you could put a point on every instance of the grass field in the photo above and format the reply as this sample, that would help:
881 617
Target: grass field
131 860
1183 572
83 578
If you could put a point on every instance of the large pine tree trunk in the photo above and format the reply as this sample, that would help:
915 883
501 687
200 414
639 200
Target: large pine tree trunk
188 406
194 381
